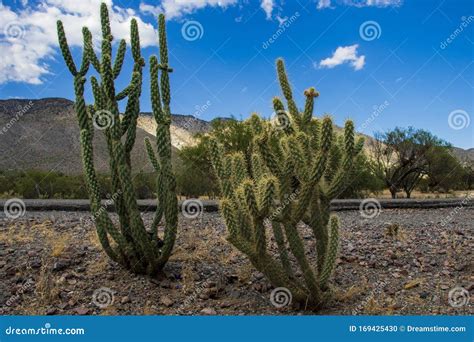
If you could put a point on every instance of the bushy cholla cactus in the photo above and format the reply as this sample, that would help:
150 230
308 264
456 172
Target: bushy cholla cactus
295 170
130 244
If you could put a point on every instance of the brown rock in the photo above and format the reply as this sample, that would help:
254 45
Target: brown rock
208 311
166 301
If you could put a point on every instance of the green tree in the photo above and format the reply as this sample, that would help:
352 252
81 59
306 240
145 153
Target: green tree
401 157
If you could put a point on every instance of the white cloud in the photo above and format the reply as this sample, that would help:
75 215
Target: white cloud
28 36
267 6
360 3
177 8
324 4
344 54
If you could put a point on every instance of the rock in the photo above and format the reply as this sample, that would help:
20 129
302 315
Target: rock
231 278
166 301
62 306
125 300
166 284
235 294
208 311
225 304
424 294
10 271
81 311
61 264
35 263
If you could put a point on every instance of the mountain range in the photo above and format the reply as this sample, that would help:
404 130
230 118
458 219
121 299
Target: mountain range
43 134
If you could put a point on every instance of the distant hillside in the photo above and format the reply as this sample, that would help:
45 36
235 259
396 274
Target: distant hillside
43 134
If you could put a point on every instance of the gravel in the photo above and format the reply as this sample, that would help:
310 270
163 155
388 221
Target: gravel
52 264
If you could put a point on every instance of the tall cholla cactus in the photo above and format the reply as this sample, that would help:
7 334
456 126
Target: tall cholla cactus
130 244
288 183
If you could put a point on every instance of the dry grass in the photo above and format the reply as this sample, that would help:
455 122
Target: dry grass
47 289
16 233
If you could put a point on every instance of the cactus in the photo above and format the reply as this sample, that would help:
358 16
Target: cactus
129 244
294 173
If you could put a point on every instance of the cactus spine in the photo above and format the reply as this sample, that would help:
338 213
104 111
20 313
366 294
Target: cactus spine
130 243
282 188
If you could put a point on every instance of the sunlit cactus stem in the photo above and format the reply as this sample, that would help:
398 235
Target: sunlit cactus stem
284 191
129 243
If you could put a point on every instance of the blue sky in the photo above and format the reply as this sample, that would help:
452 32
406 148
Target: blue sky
412 66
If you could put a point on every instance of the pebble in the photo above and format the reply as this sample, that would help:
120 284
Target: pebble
208 311
166 301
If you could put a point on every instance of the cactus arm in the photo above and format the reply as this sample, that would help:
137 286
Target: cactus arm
119 58
310 95
280 240
331 254
65 48
163 117
287 92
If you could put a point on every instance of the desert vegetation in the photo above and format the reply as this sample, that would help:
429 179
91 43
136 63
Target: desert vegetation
274 180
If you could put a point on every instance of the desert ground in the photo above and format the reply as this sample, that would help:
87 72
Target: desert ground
51 263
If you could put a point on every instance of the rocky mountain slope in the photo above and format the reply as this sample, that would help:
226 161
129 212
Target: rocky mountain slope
43 134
